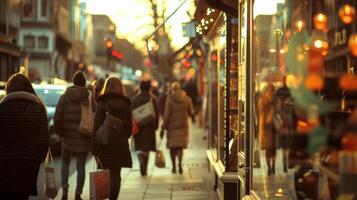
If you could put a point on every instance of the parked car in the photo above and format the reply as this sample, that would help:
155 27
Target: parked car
50 95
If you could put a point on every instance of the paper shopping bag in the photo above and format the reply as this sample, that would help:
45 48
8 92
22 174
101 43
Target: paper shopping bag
159 159
99 184
50 187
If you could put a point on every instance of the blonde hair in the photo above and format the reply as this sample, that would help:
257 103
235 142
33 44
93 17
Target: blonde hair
113 85
175 86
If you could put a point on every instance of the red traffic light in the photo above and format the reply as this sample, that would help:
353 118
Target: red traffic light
117 54
187 64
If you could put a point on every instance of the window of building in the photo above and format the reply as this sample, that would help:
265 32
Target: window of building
28 8
43 8
29 41
43 42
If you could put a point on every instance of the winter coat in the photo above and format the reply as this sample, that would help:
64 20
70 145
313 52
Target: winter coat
68 117
116 154
23 142
178 110
145 139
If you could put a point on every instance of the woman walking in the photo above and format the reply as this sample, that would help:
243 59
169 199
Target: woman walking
145 139
23 139
116 153
178 110
266 132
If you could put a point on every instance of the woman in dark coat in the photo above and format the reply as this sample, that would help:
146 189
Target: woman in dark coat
116 154
145 140
23 139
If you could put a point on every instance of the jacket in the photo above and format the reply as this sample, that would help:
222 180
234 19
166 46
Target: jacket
145 139
68 117
117 153
23 142
178 109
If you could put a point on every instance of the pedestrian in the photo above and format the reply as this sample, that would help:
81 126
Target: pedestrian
23 139
98 87
178 109
266 131
116 154
74 144
145 140
162 98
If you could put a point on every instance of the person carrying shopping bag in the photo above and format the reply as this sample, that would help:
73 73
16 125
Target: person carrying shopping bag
112 129
145 138
23 139
74 143
178 110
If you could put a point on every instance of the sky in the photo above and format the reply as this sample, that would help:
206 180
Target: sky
134 21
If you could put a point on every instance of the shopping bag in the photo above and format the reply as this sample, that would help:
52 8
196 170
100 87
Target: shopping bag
159 157
99 183
50 186
144 114
87 117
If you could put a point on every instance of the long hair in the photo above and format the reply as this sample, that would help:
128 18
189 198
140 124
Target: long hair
19 83
113 85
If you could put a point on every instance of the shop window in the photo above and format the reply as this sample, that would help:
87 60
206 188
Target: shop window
29 41
28 8
43 42
305 96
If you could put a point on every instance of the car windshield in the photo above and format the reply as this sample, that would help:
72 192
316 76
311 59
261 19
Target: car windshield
50 97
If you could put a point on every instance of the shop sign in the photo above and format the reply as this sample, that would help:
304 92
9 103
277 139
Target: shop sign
339 37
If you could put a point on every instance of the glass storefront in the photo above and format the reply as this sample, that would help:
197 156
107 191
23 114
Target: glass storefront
304 133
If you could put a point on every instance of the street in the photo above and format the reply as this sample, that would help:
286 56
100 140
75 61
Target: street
159 184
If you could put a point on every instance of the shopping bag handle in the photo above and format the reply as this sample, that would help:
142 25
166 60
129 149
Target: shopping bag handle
159 144
49 156
99 162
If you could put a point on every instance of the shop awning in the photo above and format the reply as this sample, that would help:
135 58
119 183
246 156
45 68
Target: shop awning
227 6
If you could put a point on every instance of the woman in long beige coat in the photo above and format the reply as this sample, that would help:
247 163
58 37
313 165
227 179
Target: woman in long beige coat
178 110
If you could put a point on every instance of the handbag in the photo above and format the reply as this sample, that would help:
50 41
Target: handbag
99 183
111 125
87 118
160 158
50 186
145 113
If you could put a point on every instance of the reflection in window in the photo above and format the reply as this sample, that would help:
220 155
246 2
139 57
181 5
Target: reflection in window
29 41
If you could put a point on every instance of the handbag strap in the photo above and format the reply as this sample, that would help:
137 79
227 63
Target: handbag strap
49 156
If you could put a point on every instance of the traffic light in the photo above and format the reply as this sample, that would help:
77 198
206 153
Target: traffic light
108 43
117 54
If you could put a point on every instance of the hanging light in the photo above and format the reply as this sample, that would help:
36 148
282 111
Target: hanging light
352 43
320 22
299 25
347 13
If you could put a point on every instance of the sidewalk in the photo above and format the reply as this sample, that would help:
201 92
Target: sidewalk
161 184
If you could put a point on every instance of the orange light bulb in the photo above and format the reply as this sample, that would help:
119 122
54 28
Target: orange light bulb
320 22
347 13
352 43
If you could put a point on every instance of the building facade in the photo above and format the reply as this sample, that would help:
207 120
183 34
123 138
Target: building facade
9 35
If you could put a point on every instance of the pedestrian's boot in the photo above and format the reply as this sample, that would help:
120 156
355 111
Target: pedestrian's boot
64 192
180 169
77 197
141 158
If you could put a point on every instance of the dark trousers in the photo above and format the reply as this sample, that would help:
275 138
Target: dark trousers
143 157
115 180
81 162
9 196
